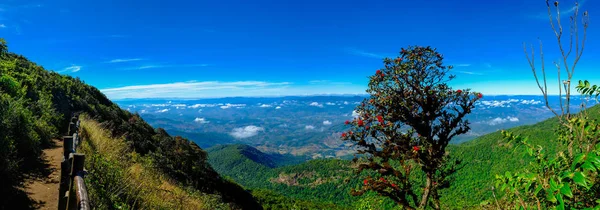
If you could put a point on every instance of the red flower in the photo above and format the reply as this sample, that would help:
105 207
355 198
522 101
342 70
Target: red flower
350 132
380 119
382 74
416 148
367 127
347 122
343 135
371 101
393 185
479 95
365 182
378 71
382 179
459 91
360 122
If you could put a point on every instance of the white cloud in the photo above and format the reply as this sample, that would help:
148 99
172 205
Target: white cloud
326 122
162 110
355 114
143 111
309 127
228 105
246 132
469 72
201 120
195 106
2 26
463 65
316 104
72 69
122 60
265 106
152 66
531 102
218 89
506 103
330 104
358 52
499 120
278 107
346 103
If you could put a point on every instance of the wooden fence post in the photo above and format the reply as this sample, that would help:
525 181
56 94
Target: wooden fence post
76 169
72 129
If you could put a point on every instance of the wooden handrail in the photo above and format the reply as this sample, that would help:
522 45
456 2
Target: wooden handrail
73 192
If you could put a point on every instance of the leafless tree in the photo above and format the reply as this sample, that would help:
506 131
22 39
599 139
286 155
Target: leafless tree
574 41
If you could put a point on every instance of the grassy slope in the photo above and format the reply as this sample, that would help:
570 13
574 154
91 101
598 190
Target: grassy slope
483 158
119 176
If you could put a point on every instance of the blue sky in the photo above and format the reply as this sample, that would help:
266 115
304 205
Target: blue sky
195 49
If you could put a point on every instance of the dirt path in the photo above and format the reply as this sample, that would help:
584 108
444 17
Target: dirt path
43 189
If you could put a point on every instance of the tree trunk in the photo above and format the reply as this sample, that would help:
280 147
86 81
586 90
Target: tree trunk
425 196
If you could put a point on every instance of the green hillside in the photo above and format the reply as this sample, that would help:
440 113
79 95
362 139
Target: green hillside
35 106
330 180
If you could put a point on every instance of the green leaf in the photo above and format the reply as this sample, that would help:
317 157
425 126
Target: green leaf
594 159
566 190
553 185
588 166
538 189
550 197
579 158
561 203
567 174
579 179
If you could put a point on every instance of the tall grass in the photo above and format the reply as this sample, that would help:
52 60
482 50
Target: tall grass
122 179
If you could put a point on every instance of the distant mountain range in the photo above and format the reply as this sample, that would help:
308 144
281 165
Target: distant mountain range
309 125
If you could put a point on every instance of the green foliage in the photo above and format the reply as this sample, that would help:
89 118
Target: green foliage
406 125
564 179
588 90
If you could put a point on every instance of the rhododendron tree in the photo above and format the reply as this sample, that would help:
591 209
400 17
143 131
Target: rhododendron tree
406 125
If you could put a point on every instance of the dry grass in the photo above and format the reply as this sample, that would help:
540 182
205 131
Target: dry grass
136 184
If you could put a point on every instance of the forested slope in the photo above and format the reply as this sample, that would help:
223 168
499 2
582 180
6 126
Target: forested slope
331 180
36 104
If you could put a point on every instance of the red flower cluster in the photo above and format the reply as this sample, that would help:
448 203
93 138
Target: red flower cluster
347 122
380 73
393 185
343 135
398 60
382 179
360 123
459 91
380 119
479 95
365 182
416 148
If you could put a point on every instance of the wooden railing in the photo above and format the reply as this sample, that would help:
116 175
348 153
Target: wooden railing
72 191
